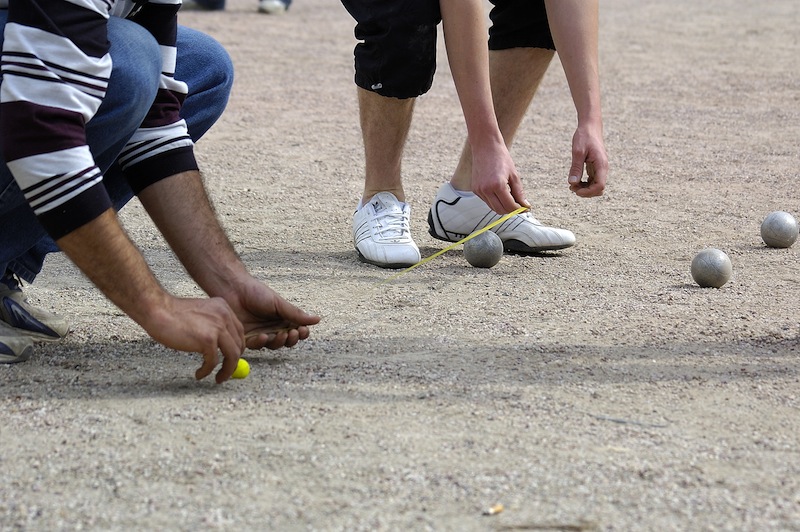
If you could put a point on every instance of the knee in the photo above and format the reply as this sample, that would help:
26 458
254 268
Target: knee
203 63
220 68
135 73
397 53
207 69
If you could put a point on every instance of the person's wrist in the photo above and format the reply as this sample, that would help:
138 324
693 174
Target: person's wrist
593 121
223 280
151 308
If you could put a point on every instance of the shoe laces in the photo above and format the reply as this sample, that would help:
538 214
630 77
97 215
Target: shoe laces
390 225
529 217
11 280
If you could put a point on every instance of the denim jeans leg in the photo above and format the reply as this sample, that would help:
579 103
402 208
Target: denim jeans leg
206 68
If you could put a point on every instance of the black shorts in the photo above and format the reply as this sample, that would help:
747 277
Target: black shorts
519 24
396 53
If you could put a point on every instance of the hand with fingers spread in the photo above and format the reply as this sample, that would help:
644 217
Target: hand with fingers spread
268 319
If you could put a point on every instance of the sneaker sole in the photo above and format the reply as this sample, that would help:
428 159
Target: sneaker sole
388 266
514 247
38 336
13 359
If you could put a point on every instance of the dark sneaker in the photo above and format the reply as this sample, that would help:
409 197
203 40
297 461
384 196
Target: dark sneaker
191 5
15 346
19 314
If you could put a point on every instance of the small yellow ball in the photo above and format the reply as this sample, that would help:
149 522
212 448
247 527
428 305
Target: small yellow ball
242 369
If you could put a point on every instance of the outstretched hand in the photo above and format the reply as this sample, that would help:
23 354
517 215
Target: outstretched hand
269 320
220 329
588 151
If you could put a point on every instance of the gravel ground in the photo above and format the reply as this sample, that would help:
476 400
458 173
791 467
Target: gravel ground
597 388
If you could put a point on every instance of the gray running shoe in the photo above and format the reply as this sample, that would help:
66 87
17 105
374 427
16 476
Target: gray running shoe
16 312
15 345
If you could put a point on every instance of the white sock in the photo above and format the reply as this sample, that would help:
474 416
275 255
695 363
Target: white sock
462 193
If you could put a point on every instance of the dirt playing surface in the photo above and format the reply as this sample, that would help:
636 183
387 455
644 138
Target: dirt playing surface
597 388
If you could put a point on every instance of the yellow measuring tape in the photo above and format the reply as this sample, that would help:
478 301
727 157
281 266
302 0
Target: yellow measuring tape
451 246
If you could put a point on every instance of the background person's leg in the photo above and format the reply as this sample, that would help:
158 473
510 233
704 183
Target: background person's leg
515 76
456 211
521 49
385 123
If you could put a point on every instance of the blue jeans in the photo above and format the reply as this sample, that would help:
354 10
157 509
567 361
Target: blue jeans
202 63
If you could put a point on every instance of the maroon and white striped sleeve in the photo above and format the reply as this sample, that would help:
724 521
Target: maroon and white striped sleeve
55 68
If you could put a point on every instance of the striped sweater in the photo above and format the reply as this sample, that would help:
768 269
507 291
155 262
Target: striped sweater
55 71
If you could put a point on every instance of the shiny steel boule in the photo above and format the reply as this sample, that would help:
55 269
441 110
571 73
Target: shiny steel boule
711 268
484 250
779 229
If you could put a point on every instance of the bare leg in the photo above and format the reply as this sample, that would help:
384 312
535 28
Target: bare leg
515 76
385 123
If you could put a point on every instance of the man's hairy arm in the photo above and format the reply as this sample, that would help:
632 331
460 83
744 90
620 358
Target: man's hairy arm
574 25
181 209
495 177
105 254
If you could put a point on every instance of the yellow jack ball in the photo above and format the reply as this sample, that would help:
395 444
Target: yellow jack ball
242 369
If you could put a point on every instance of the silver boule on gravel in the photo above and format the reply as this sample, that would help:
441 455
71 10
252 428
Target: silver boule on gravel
711 267
484 250
779 229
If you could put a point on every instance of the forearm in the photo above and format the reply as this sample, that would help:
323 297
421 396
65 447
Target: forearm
181 210
465 39
103 252
574 25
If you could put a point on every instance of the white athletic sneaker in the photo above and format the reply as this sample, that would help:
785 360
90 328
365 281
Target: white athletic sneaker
272 7
454 215
381 232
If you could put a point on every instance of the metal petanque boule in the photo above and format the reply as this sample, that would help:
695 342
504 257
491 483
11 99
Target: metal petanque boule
779 229
711 267
484 250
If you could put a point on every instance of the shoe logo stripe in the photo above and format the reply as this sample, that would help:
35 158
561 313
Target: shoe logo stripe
20 318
